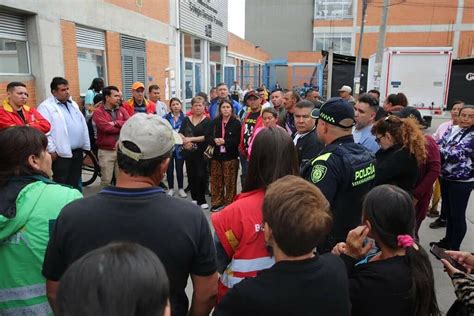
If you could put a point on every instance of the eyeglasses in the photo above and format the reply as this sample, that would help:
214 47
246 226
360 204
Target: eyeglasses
377 139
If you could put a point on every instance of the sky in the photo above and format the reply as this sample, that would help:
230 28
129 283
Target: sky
236 17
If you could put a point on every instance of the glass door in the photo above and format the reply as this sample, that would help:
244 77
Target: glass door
212 74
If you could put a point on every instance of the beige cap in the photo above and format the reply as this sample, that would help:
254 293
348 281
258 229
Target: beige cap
346 89
152 134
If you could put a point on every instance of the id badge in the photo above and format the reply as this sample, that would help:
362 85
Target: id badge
223 149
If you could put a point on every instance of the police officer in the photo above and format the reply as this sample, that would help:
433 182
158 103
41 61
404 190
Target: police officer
344 171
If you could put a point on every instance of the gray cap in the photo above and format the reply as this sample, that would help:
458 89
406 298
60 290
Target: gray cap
152 134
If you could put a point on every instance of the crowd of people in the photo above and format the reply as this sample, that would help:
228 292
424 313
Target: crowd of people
333 195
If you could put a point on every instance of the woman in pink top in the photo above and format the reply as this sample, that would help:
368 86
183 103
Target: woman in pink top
270 119
457 105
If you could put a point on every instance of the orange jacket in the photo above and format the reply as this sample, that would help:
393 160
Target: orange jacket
130 106
9 117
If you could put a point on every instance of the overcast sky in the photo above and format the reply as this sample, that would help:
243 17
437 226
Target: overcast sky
236 17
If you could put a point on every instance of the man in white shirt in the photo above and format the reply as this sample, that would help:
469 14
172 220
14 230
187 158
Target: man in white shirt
236 92
155 96
365 110
69 135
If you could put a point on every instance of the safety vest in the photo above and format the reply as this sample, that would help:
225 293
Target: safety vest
23 241
239 228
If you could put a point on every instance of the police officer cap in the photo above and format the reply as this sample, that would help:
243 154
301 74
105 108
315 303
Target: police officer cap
336 112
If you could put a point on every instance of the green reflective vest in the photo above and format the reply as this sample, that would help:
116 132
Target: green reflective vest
23 241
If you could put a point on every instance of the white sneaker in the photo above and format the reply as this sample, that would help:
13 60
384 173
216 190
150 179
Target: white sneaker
204 206
170 192
182 194
194 202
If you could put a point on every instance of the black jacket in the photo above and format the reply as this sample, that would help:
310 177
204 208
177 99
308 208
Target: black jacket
231 138
344 172
397 166
316 286
308 147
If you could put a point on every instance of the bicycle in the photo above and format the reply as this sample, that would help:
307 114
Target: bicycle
90 168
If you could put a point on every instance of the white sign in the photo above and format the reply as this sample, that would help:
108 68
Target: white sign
205 19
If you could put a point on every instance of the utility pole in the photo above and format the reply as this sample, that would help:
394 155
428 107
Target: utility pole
330 65
381 45
359 51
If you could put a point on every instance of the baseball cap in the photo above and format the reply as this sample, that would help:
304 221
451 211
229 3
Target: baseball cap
346 89
336 112
252 93
412 112
152 134
137 85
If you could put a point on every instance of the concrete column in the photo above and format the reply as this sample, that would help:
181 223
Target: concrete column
46 52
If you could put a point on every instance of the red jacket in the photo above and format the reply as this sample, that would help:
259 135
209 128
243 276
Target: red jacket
239 228
130 106
107 135
9 117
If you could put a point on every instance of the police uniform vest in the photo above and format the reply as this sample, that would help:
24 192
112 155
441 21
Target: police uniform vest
351 168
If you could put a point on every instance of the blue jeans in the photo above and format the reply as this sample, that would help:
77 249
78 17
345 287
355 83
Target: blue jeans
179 172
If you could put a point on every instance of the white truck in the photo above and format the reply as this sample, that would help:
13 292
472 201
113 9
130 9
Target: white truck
421 73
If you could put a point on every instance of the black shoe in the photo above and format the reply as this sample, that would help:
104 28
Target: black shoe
433 214
163 186
439 223
217 208
441 244
187 189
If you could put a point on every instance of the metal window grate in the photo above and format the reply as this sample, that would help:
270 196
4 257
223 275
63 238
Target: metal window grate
128 42
90 38
12 26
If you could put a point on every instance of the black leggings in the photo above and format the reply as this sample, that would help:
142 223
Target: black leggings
196 168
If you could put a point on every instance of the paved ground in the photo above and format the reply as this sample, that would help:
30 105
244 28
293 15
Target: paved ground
444 289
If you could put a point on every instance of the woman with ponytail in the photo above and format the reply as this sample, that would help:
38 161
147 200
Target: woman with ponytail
398 280
402 151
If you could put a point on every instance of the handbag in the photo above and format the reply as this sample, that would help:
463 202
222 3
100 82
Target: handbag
209 152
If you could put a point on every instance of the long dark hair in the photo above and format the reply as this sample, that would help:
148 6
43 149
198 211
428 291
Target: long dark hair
225 101
273 157
118 279
391 213
17 144
97 84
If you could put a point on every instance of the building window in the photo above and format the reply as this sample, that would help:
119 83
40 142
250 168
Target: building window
333 9
13 44
192 47
340 42
90 56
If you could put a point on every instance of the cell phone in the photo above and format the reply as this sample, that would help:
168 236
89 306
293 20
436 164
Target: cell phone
440 253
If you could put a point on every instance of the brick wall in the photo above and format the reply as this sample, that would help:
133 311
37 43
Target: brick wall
114 59
157 56
71 69
422 12
155 9
30 86
240 46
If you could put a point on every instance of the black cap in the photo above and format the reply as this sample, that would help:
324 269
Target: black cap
252 93
410 112
336 112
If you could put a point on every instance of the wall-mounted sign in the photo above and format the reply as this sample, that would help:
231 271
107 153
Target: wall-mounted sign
205 19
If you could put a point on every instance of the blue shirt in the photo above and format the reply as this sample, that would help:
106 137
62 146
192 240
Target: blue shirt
73 118
365 138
